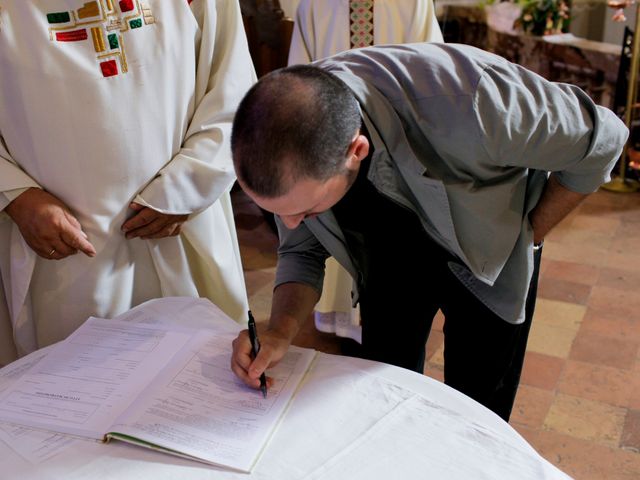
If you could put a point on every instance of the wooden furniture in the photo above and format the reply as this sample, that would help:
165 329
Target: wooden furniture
562 58
592 66
268 33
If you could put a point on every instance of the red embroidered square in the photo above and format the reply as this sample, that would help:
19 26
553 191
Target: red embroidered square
126 5
109 68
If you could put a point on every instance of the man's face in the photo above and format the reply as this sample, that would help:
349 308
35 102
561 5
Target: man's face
307 198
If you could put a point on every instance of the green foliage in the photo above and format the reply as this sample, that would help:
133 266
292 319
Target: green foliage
544 17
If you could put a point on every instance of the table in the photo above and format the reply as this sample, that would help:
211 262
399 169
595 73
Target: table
351 419
591 65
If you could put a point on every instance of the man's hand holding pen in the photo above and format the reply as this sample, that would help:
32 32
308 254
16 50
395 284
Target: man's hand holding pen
292 304
249 369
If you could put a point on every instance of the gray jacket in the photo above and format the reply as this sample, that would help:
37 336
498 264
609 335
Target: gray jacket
465 139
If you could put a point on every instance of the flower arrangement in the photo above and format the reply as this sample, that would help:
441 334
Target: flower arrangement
619 6
544 17
548 17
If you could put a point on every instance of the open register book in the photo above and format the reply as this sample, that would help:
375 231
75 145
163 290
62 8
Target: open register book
157 385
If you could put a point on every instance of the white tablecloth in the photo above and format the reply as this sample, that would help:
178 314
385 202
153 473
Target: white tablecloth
351 419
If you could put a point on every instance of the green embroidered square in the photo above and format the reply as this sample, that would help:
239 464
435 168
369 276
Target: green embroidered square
58 17
113 41
137 23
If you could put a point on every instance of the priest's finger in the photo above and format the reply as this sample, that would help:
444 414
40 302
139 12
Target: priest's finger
149 229
141 218
77 240
49 254
59 250
74 222
169 230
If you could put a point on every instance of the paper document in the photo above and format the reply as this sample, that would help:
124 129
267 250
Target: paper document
163 386
35 446
198 406
92 377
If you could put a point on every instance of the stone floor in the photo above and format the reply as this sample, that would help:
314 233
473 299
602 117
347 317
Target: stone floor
579 399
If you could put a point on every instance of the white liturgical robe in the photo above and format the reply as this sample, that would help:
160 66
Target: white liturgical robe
326 27
323 27
107 102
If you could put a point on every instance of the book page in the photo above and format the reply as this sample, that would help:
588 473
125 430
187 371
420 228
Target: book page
35 446
199 408
90 378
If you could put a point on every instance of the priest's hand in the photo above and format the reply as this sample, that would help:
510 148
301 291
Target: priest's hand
48 226
273 347
148 223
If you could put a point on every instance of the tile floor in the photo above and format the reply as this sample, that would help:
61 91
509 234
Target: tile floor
579 399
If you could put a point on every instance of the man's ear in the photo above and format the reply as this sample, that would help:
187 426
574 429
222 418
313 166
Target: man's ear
358 151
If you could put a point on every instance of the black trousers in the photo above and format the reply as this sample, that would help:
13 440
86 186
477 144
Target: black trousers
407 281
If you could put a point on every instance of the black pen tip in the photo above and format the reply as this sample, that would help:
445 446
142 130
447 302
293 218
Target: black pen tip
264 391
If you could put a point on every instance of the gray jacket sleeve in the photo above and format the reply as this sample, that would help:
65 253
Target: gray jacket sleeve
526 121
301 257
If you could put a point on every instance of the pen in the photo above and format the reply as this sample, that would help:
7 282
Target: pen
255 348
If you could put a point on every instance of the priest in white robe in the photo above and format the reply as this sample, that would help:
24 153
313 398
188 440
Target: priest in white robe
115 167
326 27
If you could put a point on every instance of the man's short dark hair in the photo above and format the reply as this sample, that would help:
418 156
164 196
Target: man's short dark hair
295 123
